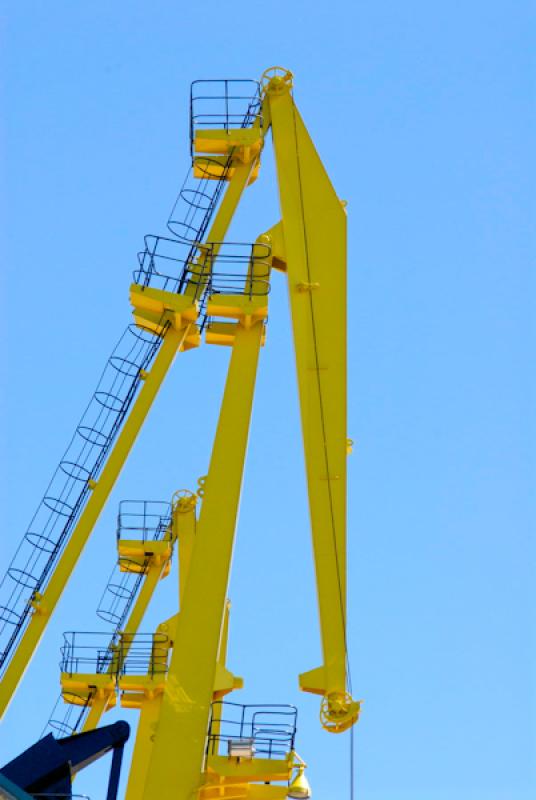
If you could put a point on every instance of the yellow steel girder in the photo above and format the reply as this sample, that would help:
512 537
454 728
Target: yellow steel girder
179 742
309 245
312 234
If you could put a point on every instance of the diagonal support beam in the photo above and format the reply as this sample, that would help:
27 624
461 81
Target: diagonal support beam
314 232
173 340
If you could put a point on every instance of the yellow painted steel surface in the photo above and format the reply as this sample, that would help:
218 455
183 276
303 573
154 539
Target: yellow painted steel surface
143 750
183 722
184 528
170 759
314 231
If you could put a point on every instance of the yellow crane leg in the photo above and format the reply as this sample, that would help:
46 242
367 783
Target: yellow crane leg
179 745
151 705
183 530
314 231
143 747
44 608
184 527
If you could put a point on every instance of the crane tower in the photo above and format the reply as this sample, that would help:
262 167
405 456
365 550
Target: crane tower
192 287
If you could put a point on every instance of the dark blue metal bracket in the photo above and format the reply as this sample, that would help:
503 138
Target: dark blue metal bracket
49 765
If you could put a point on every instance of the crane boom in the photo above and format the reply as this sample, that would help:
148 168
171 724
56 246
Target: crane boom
314 235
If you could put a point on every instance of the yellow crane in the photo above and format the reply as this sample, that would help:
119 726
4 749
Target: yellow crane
192 286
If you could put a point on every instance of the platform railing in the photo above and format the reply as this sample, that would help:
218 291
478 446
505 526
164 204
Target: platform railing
127 654
217 268
225 104
268 730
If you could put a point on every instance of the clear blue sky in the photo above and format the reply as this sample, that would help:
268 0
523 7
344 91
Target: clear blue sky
423 114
